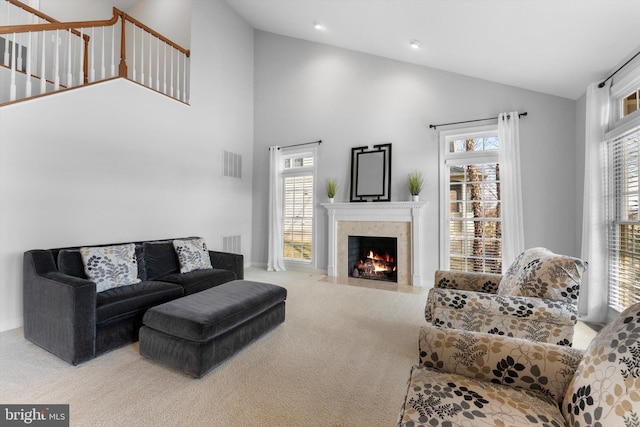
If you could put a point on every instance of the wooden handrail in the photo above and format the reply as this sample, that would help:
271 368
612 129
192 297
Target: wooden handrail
154 33
56 25
25 28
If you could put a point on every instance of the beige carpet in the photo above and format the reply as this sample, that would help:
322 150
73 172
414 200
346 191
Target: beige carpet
342 358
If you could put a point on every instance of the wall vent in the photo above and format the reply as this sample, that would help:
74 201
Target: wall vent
232 165
232 244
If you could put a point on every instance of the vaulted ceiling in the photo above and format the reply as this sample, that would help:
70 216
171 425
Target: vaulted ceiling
552 46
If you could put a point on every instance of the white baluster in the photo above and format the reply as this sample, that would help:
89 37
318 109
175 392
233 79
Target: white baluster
27 88
81 60
184 80
178 76
92 53
171 79
43 69
158 65
134 52
5 60
113 43
69 74
150 84
142 58
18 47
177 81
102 64
56 62
164 69
12 86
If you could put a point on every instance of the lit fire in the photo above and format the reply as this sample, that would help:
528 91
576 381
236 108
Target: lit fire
375 266
381 266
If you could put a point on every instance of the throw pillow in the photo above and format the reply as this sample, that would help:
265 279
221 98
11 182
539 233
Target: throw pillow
70 263
192 254
160 259
110 266
540 273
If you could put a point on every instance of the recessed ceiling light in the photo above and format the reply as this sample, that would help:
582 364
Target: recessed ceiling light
415 44
318 26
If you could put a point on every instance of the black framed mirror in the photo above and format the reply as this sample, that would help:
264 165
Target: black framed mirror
371 173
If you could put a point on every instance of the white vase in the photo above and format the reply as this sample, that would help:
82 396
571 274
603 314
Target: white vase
330 199
415 197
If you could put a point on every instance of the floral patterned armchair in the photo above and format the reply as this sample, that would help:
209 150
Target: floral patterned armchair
476 379
536 299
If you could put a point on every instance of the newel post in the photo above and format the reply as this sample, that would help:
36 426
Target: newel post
122 69
85 64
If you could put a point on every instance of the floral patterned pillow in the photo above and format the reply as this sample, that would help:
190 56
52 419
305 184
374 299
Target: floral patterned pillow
192 254
605 390
540 273
110 266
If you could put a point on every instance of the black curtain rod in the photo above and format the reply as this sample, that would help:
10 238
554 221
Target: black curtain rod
476 120
303 143
601 85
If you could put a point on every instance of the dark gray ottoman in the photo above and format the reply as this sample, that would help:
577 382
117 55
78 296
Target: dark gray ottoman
196 333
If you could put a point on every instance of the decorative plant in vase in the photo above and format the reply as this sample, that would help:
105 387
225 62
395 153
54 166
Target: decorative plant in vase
415 181
332 188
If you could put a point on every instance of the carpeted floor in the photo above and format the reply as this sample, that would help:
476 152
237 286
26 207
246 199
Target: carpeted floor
342 358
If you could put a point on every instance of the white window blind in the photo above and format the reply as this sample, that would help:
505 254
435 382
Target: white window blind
475 223
622 197
298 188
298 217
471 202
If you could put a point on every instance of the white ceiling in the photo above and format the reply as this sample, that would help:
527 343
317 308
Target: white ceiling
552 46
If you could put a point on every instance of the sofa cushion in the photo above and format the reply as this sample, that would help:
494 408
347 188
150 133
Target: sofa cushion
160 258
192 254
199 280
605 390
442 399
126 301
70 263
110 266
540 273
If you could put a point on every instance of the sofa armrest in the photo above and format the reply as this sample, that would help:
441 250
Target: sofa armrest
228 261
59 310
541 367
468 281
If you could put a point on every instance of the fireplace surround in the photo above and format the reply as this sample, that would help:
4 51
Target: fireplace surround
400 220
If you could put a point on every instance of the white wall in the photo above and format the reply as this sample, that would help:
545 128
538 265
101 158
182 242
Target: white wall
78 10
117 162
171 18
306 91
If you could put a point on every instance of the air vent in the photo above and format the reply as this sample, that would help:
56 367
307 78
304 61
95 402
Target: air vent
232 166
232 244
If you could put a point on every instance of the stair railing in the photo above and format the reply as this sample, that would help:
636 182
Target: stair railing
85 52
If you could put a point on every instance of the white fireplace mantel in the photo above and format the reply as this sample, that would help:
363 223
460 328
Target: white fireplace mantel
410 212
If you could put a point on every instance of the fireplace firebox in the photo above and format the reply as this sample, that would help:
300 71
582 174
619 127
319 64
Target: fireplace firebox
373 258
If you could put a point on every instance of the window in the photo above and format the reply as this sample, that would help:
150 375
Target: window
621 188
623 155
298 176
631 103
471 210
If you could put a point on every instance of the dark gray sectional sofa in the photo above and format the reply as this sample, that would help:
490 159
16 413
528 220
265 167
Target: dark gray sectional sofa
65 315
